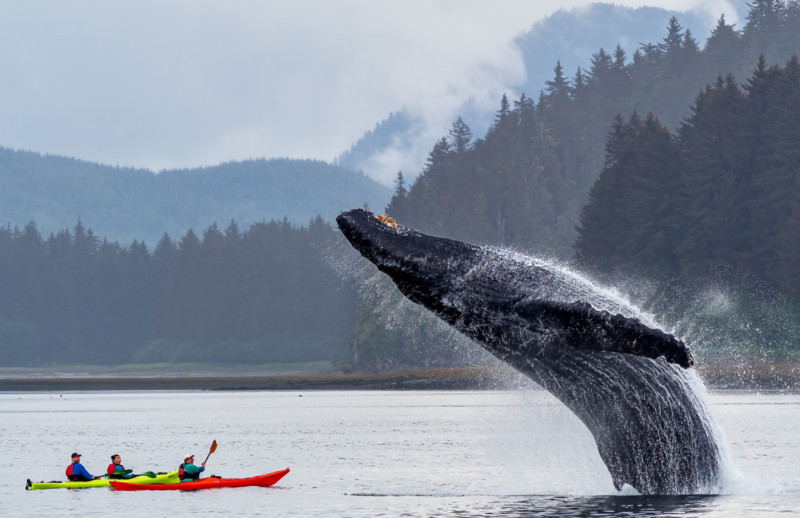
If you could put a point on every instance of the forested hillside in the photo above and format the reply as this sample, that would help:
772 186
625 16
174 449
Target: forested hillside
720 195
226 296
569 35
124 204
524 183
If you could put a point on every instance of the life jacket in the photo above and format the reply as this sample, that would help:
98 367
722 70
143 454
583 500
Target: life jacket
182 475
111 468
73 477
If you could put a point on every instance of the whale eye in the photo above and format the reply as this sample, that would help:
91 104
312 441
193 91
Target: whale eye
386 220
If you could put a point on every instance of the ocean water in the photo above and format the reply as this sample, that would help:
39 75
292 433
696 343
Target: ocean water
373 453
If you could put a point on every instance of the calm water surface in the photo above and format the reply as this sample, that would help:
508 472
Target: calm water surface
376 453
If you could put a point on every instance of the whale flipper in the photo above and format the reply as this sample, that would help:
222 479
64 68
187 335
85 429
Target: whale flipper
580 325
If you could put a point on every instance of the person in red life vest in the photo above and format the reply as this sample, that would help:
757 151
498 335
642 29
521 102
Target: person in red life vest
188 471
76 472
115 467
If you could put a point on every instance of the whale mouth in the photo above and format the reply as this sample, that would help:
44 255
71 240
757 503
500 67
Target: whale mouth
364 231
421 266
380 238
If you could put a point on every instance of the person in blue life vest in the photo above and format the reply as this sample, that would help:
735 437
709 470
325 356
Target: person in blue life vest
76 472
115 467
188 471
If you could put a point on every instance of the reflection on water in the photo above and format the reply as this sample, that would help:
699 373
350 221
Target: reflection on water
599 506
726 506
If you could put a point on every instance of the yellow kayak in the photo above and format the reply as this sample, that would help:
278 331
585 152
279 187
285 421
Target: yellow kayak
160 478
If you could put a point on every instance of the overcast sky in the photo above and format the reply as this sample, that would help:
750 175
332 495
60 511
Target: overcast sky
164 84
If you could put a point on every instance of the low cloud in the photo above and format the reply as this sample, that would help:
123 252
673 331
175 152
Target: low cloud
197 82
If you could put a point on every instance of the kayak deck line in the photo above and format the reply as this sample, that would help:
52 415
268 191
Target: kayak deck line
265 480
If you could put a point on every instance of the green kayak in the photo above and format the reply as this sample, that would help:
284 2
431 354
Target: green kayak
160 478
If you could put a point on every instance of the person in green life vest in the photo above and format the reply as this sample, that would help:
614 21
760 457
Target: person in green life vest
188 471
115 467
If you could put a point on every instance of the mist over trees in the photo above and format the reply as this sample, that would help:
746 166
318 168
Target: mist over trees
679 163
525 182
259 295
565 35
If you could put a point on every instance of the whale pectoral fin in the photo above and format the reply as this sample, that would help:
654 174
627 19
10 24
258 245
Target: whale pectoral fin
578 324
568 319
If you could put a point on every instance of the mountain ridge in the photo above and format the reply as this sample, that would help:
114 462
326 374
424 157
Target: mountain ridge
123 204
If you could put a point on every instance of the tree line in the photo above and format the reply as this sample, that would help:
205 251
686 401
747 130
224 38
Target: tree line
229 296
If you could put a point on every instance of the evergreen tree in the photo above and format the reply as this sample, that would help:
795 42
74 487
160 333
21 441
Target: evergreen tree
558 89
460 136
711 144
722 50
627 223
764 24
396 205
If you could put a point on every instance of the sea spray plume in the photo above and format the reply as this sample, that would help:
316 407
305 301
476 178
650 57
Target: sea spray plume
424 339
630 385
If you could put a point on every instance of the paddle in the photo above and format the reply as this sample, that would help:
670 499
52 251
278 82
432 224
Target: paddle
211 450
118 475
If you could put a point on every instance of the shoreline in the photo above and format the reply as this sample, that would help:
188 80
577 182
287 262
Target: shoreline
717 375
433 379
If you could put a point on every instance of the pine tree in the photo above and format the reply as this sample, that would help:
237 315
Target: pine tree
764 24
628 224
711 143
558 89
777 96
673 41
460 136
396 205
722 50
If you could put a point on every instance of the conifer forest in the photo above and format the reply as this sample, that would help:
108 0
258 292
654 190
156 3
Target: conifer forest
677 166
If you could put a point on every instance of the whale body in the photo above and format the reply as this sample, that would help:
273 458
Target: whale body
632 385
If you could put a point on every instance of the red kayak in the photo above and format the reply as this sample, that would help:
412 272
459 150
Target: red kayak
204 483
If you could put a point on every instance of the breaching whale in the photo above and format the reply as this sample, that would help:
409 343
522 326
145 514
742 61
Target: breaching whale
632 385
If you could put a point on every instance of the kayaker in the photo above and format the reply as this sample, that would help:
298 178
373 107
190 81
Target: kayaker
188 471
116 466
76 472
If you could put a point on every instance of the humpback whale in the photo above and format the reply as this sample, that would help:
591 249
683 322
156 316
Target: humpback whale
631 384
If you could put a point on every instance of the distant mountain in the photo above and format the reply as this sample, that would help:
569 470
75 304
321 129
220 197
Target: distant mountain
569 36
124 204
